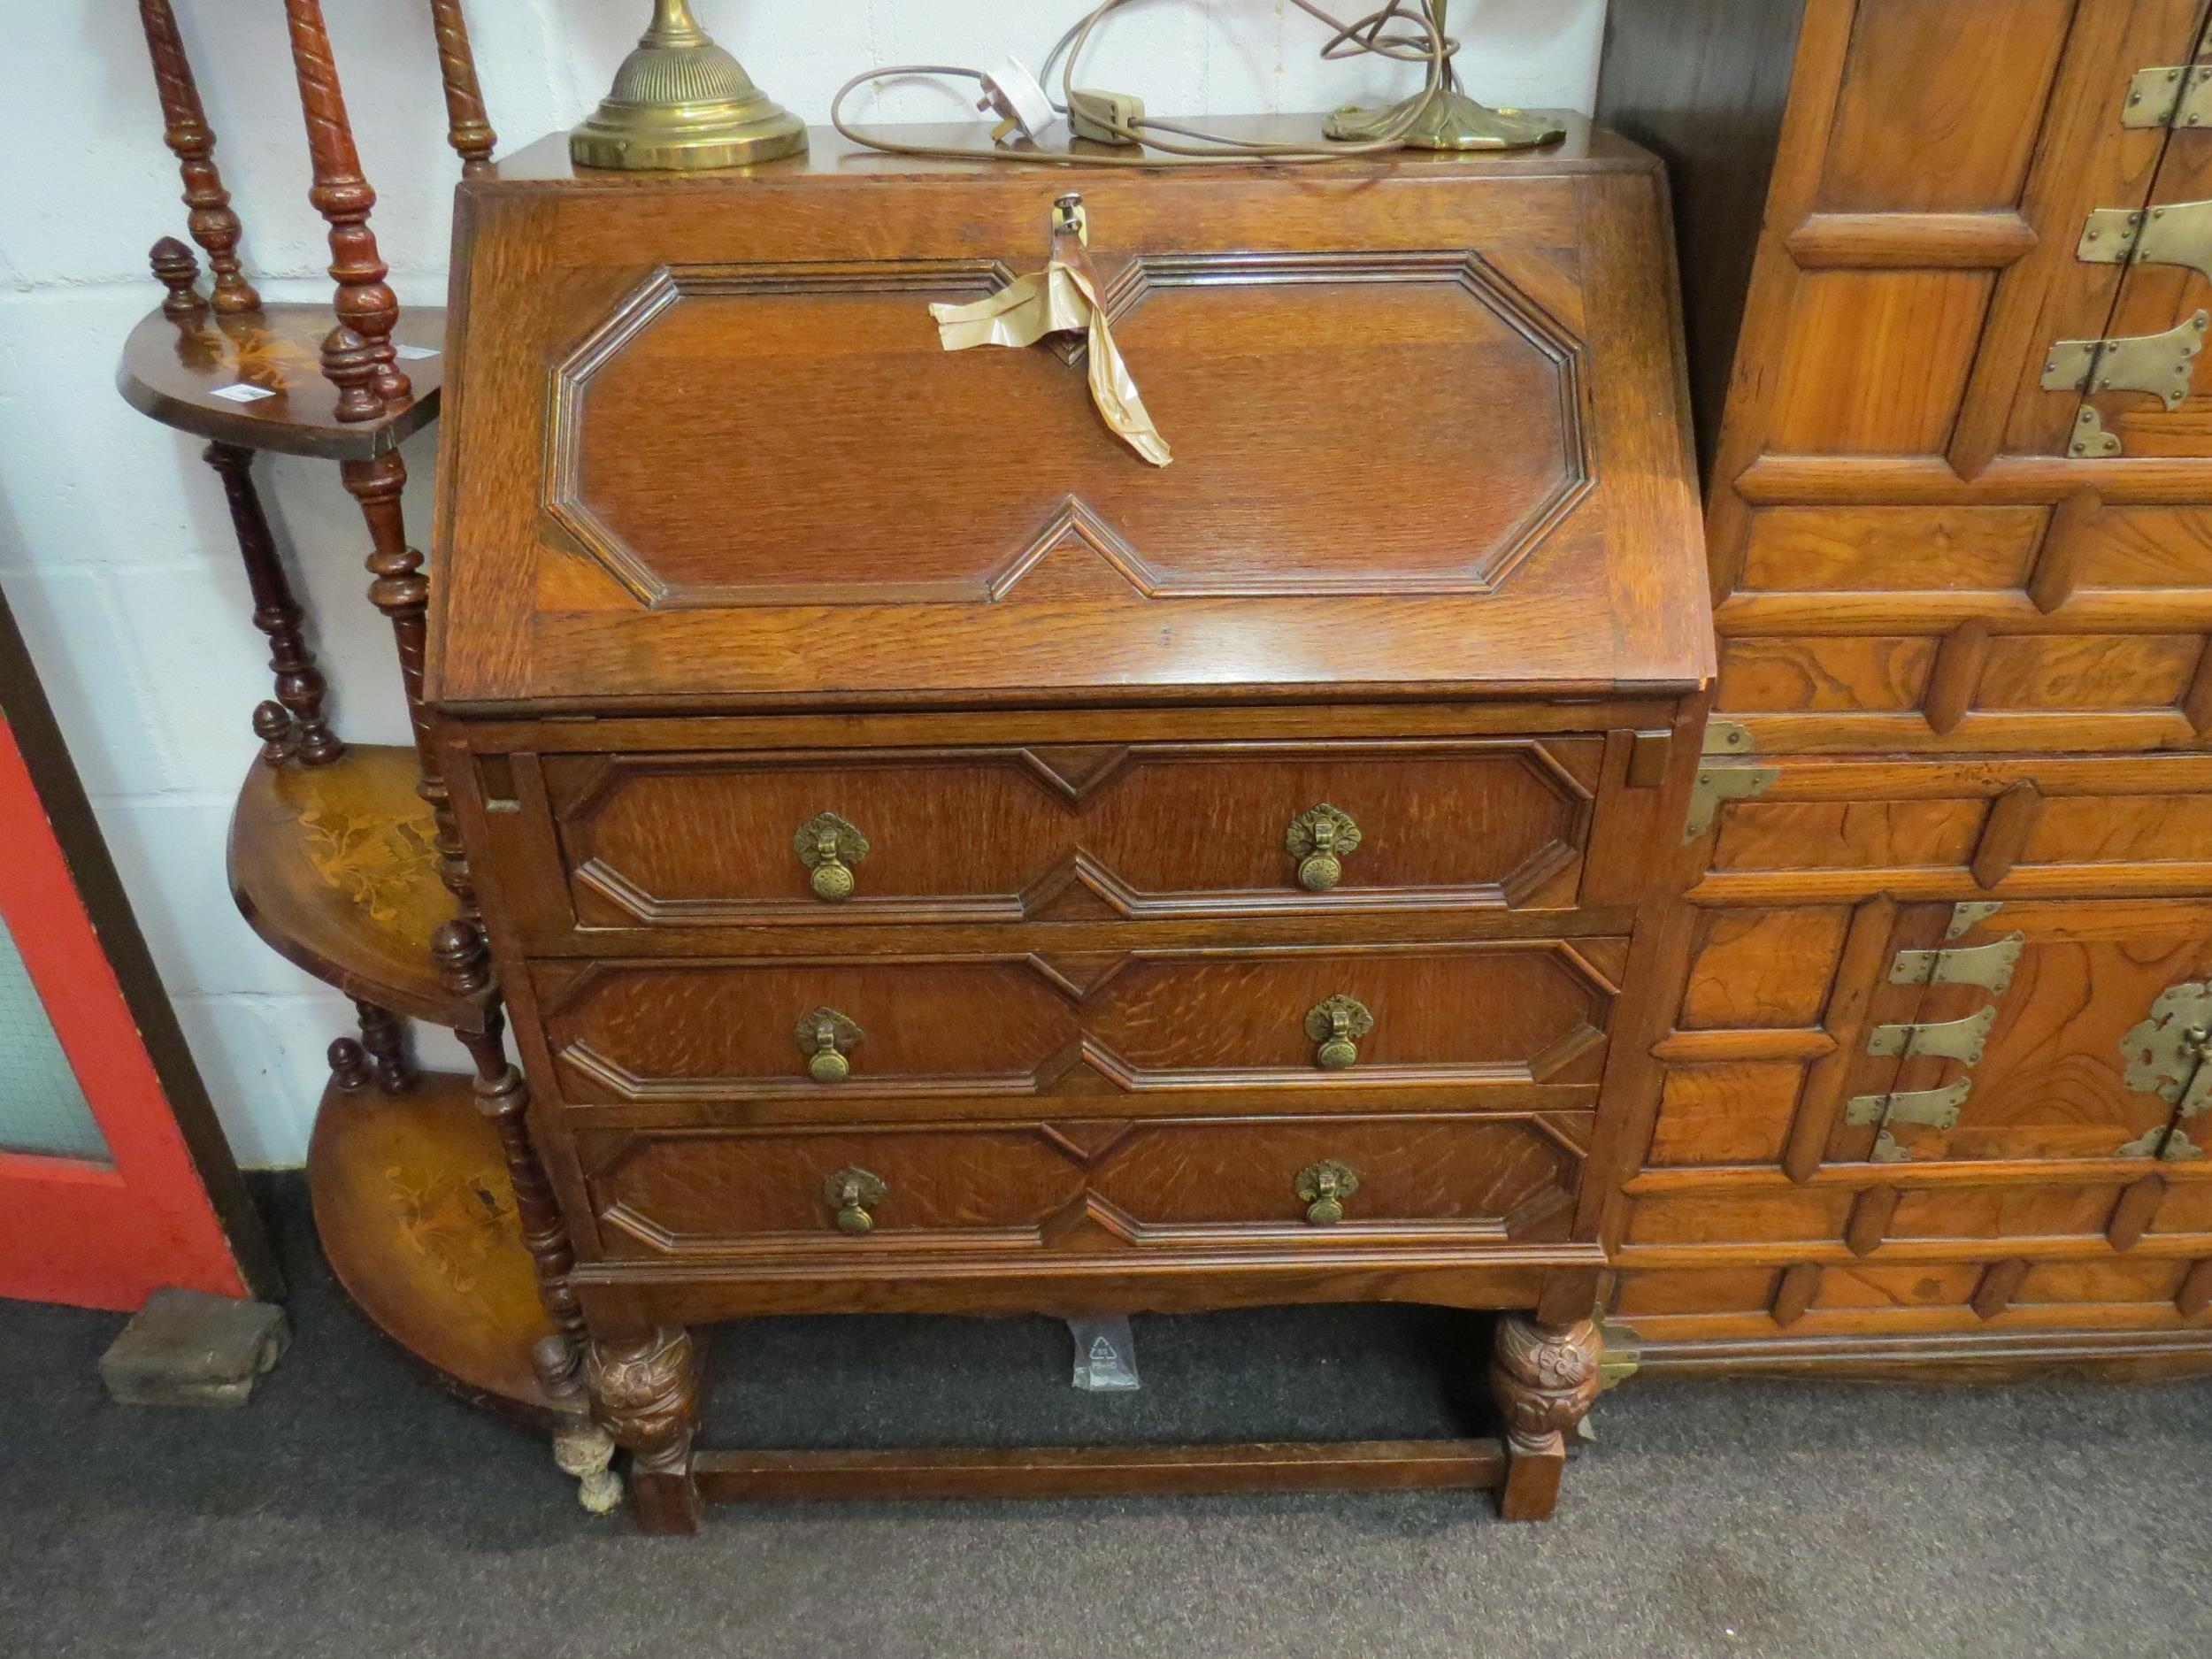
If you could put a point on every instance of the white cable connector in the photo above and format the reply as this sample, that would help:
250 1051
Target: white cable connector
1021 104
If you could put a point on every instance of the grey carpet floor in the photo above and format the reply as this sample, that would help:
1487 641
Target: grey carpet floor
354 1509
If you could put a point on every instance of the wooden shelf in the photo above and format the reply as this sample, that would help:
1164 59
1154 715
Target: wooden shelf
417 1219
172 371
336 868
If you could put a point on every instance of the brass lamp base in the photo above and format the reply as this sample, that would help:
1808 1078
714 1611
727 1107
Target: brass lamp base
679 101
1446 120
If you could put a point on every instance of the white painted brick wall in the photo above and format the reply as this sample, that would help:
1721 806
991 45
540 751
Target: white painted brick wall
115 548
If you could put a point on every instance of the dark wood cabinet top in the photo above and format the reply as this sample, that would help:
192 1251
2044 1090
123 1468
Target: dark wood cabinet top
703 448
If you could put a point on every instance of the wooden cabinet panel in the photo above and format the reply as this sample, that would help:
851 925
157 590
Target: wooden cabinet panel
1847 835
1760 968
2077 1211
1083 1186
1738 1113
1874 549
1936 140
1471 1015
1072 832
1874 363
2088 670
1854 674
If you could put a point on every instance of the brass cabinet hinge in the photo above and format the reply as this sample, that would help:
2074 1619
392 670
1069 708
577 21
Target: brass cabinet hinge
1969 914
1723 776
2162 364
1989 966
1932 1108
2179 233
2169 96
1950 1040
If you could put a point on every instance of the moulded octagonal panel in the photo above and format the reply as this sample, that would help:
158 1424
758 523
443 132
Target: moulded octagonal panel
1342 423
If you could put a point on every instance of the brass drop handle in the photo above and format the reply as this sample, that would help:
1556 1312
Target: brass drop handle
1324 1187
1320 840
829 847
852 1191
825 1037
1337 1025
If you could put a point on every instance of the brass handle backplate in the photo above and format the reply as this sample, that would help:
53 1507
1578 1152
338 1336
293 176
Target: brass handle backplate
1324 1187
853 1191
1338 1025
829 847
826 1037
1320 840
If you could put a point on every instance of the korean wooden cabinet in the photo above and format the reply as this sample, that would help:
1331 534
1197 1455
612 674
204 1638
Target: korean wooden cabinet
937 860
1933 1097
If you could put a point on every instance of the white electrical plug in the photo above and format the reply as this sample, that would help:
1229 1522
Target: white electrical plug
1021 104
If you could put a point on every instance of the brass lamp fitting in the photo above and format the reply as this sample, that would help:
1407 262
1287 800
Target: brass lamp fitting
679 101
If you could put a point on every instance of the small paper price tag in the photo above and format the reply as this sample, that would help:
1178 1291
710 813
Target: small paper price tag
414 352
244 394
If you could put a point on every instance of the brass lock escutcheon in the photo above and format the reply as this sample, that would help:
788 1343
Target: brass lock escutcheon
1338 1025
1324 1187
830 848
853 1191
1319 841
826 1037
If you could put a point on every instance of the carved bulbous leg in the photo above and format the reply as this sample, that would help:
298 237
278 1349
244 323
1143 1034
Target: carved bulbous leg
581 1449
1545 1378
645 1391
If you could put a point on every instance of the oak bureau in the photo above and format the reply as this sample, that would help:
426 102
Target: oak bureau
936 861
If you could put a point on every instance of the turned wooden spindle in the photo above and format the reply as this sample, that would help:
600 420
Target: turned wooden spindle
303 732
179 273
468 130
365 303
213 223
385 1039
402 593
503 1097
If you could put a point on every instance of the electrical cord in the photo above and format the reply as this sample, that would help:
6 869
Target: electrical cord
1183 145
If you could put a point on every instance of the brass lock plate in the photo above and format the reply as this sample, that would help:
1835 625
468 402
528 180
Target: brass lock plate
2170 1052
2163 365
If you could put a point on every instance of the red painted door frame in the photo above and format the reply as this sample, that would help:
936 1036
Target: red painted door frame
104 1234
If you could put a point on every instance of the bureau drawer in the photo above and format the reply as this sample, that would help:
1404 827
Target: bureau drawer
1086 1185
1091 831
1493 1014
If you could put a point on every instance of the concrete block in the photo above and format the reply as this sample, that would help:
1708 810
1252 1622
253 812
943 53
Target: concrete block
186 1347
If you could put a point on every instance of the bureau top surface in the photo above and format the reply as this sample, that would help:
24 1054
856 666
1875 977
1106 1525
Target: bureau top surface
702 446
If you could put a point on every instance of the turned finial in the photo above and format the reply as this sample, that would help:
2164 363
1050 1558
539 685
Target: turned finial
463 967
349 363
274 724
179 274
348 1064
